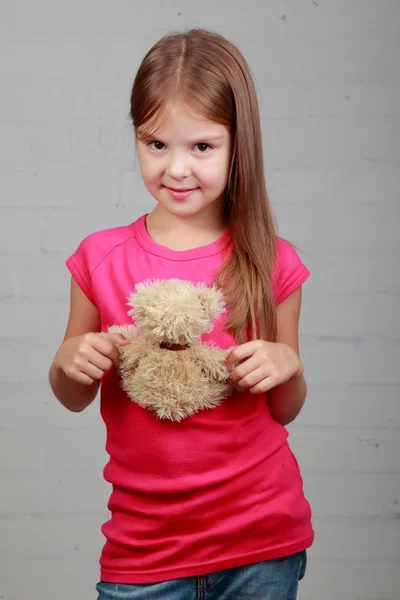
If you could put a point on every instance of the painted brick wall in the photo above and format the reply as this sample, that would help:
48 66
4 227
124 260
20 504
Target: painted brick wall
328 79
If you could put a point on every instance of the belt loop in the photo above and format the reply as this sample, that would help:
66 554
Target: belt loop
200 588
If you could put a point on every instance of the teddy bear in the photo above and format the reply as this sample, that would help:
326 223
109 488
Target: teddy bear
166 368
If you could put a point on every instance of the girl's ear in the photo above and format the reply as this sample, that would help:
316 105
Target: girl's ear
212 301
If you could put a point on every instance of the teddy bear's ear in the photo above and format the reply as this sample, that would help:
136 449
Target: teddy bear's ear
212 301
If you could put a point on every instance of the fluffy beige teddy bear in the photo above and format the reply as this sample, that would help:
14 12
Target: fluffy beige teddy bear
165 368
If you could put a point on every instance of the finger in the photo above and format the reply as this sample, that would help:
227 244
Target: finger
117 338
102 362
79 376
252 379
83 378
107 347
246 367
243 351
264 385
92 371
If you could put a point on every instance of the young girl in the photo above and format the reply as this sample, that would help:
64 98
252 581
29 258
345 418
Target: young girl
211 507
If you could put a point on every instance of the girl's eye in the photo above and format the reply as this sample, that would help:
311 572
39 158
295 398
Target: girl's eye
157 145
203 147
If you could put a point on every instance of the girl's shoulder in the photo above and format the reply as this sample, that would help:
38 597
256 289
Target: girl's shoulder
96 246
290 272
101 242
285 253
93 251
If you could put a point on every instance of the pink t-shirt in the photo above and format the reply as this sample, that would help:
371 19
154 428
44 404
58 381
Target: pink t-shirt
215 491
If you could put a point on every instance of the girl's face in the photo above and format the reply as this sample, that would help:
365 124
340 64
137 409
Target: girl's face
185 163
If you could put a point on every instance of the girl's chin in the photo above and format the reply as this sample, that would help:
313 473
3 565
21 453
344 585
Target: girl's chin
189 208
180 211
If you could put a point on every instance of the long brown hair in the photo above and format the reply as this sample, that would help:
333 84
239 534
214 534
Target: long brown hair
209 73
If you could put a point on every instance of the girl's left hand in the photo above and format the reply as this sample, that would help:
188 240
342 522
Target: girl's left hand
259 366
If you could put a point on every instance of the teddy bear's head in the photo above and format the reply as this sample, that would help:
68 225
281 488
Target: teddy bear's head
174 311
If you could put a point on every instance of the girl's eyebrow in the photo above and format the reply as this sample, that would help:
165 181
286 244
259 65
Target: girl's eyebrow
211 138
197 139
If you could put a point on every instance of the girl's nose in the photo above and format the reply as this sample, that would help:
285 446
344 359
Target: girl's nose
177 168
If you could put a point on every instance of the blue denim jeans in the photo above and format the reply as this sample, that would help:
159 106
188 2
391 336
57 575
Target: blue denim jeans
269 580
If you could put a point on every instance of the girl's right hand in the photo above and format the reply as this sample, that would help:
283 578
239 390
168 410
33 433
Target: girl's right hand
85 358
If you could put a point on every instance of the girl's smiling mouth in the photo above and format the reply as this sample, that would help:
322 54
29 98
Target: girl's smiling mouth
180 193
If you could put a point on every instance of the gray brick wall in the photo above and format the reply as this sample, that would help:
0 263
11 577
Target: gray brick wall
328 80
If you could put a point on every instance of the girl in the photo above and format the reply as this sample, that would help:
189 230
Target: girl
211 507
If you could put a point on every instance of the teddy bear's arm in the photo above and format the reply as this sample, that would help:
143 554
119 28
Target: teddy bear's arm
129 331
212 361
132 354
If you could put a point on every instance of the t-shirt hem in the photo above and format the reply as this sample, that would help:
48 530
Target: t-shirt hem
297 280
76 272
132 578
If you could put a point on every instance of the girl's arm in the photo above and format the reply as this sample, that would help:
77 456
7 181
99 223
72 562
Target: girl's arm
83 318
274 368
83 356
286 400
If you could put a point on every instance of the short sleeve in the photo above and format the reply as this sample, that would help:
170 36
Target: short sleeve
290 273
82 263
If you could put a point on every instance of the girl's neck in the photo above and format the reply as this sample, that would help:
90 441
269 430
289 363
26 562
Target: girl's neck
182 234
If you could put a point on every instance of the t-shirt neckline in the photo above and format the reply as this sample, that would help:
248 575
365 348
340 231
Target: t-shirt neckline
178 255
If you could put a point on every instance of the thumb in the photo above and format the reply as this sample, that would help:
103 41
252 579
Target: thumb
229 360
117 338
